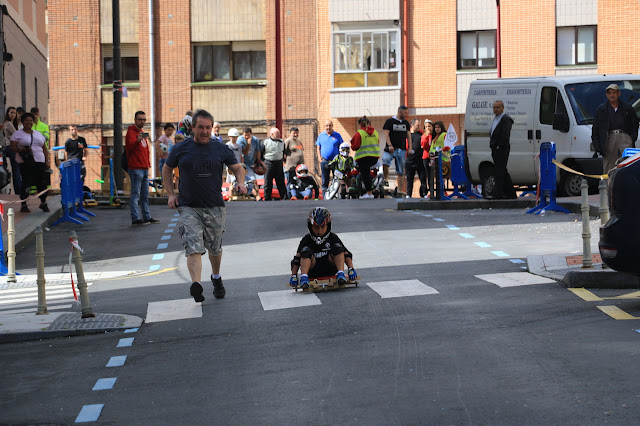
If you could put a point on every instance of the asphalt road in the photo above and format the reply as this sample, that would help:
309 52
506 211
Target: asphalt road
470 352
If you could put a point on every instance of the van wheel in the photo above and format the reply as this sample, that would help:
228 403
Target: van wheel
488 178
569 185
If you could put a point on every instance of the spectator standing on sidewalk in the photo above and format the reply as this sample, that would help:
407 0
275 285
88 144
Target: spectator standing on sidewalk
76 147
10 127
164 144
138 163
500 146
366 144
200 205
40 125
293 156
33 156
251 150
615 127
425 144
396 130
216 132
328 144
273 156
413 164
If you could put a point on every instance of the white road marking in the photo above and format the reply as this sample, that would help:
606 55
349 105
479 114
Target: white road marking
170 310
514 279
389 289
285 299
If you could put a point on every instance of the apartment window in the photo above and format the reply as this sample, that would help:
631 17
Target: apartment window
130 63
366 58
230 61
476 49
576 45
23 83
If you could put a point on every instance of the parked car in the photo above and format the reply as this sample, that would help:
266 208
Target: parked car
620 237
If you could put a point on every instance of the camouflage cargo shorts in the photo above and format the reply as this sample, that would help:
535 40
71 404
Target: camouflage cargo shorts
201 229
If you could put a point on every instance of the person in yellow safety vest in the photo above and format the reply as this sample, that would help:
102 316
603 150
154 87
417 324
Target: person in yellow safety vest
365 143
438 142
40 125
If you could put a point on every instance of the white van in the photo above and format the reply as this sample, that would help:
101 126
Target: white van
544 109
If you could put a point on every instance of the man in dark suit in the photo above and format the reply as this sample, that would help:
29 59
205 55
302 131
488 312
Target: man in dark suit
500 147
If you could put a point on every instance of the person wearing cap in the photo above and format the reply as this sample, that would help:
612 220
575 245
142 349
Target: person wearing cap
293 156
615 127
236 148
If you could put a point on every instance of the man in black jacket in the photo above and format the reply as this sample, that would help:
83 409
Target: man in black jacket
500 147
615 127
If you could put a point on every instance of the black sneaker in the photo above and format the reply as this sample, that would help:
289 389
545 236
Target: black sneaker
196 292
139 222
44 207
25 209
218 288
152 220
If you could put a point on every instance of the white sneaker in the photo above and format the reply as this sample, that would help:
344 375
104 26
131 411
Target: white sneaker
365 196
407 196
426 197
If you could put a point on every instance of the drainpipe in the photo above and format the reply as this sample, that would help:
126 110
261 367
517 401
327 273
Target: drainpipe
498 53
152 99
278 82
405 51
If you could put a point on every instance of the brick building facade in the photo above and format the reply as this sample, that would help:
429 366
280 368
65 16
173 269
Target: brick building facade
340 59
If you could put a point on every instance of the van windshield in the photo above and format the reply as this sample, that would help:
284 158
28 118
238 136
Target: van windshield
586 97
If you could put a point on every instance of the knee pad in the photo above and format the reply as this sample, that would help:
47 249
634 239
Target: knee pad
306 253
347 254
337 248
295 261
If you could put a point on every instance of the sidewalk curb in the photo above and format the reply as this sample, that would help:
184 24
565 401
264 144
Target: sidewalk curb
537 266
600 279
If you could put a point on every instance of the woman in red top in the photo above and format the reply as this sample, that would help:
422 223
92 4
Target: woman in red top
425 143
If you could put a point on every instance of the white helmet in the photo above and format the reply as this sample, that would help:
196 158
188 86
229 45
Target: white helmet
233 132
345 148
187 119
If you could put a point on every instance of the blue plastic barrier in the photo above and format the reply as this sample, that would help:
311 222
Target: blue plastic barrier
548 182
459 175
3 267
71 193
629 152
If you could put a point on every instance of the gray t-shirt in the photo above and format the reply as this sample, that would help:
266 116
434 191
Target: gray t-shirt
201 168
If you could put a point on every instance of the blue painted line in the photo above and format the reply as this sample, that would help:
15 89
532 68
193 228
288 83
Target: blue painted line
154 267
104 384
158 256
177 215
89 413
162 246
453 227
171 225
168 231
125 342
438 219
427 215
500 253
165 237
481 244
117 361
638 331
174 220
516 260
131 330
465 235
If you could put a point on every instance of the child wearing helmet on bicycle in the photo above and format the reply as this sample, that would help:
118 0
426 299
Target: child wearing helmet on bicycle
343 162
321 253
303 185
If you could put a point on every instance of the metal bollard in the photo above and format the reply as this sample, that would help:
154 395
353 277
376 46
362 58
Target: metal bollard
87 312
42 296
11 249
604 207
587 261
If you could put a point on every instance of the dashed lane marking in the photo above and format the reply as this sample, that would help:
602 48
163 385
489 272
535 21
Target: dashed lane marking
453 227
89 413
116 361
170 310
158 256
125 342
405 288
286 299
500 253
437 219
465 235
482 244
514 279
104 384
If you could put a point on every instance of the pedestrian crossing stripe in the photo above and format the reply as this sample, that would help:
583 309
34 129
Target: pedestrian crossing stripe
171 310
286 299
391 289
515 279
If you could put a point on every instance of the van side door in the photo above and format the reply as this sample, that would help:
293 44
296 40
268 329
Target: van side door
551 102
